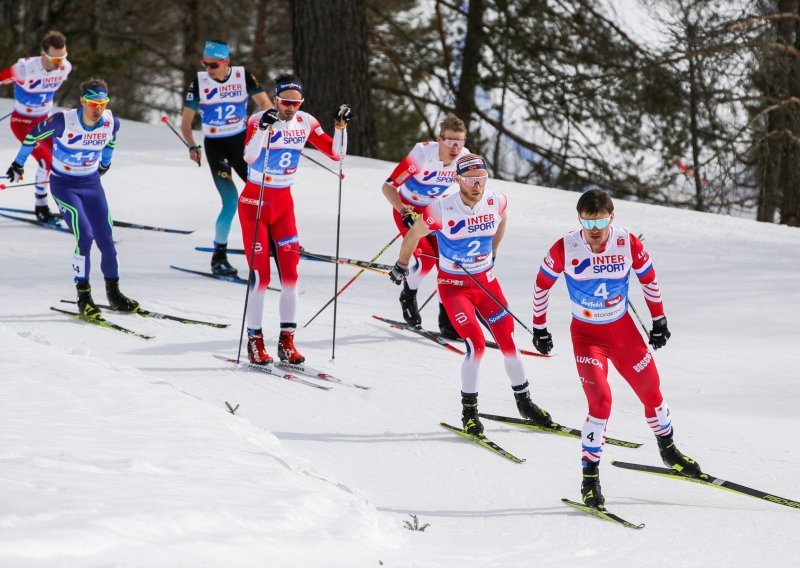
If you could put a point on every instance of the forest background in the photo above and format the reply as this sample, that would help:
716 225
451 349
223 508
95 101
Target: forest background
686 103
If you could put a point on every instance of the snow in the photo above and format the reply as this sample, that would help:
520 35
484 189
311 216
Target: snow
116 451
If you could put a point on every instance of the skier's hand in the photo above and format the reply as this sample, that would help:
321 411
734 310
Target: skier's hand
398 272
103 169
342 115
659 334
15 172
409 217
268 118
196 154
542 340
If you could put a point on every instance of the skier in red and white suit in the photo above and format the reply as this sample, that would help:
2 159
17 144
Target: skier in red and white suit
416 182
36 80
277 137
596 261
469 226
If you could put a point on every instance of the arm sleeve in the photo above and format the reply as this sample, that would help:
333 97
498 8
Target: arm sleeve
254 139
108 149
10 74
432 215
646 274
551 267
325 144
251 83
192 98
405 169
53 126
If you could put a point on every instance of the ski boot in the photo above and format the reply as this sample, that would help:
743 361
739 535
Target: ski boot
529 410
673 458
590 487
255 348
286 349
469 414
44 215
219 261
86 306
445 327
118 301
408 303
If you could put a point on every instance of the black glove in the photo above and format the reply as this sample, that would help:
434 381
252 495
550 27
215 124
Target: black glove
269 118
398 272
542 340
103 169
409 217
14 172
659 334
344 113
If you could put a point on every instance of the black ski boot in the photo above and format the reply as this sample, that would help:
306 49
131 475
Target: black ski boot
529 410
408 303
117 300
445 327
590 487
86 306
673 458
44 215
469 414
219 261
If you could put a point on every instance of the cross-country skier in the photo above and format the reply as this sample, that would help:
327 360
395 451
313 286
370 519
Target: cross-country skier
275 138
469 226
220 94
83 144
422 176
597 260
36 79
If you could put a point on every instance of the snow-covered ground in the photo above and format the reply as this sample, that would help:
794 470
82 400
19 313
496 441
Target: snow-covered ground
116 451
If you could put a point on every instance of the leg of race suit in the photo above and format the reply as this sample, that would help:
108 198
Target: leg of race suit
460 306
259 262
216 154
71 205
286 244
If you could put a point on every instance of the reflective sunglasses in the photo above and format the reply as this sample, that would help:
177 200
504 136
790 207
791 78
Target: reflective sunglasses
291 103
210 64
454 142
474 180
55 58
598 223
99 104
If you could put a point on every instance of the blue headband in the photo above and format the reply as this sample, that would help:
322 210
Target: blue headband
214 50
288 86
95 93
470 162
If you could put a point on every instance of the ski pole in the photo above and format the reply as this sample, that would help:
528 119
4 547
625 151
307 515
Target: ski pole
166 121
359 273
323 166
251 278
633 309
4 186
338 233
428 300
5 116
488 293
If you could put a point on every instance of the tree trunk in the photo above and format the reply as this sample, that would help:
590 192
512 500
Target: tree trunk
471 57
329 46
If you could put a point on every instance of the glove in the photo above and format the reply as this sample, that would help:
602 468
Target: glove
542 340
398 272
103 169
409 217
343 114
659 334
196 153
269 118
14 172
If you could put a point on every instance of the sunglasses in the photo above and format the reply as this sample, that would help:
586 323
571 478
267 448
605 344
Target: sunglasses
473 181
454 142
102 104
210 64
596 223
291 103
55 58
